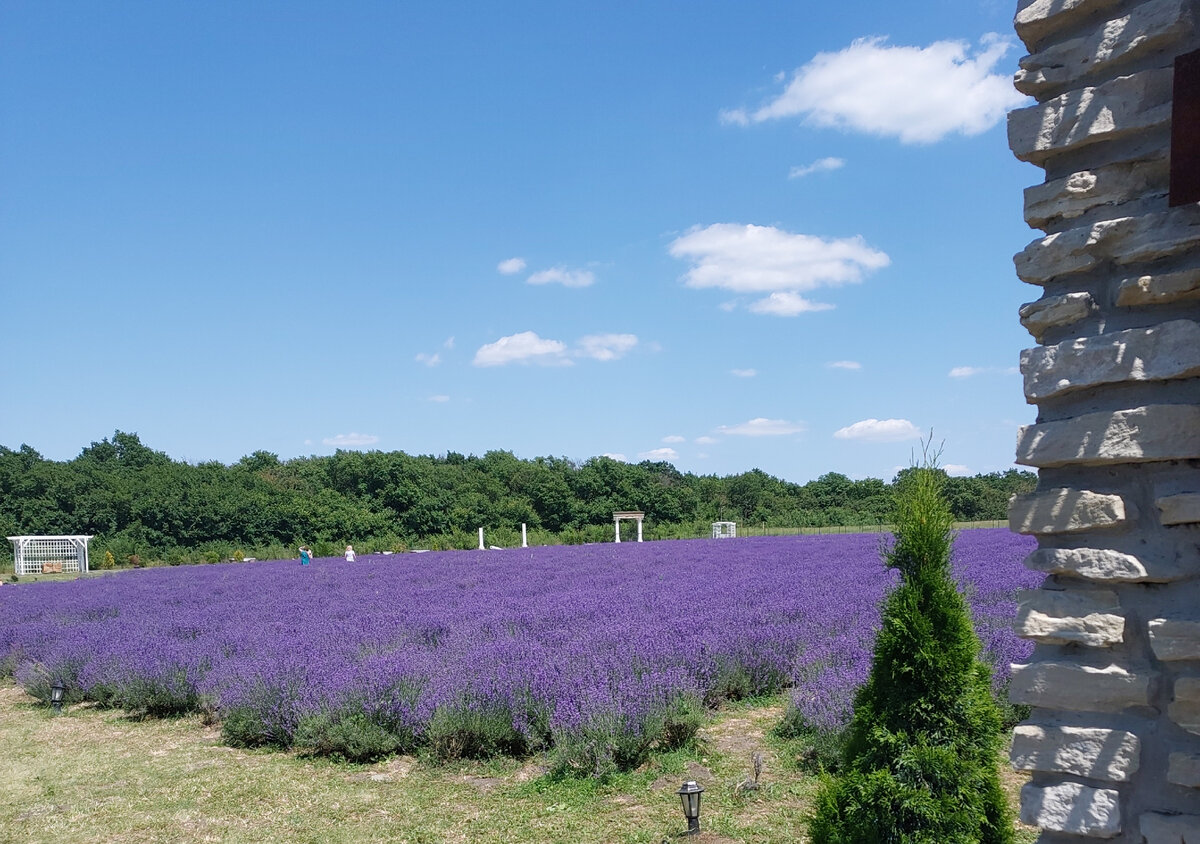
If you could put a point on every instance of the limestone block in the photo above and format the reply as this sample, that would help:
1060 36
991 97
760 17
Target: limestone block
1160 289
1112 755
1163 352
1181 509
1105 565
1185 708
1124 241
1157 828
1150 26
1175 638
1035 19
1092 618
1114 109
1072 808
1139 435
1184 769
1065 510
1055 311
1074 195
1078 688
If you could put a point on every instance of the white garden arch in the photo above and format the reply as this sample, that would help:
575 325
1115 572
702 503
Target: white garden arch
47 554
636 515
724 530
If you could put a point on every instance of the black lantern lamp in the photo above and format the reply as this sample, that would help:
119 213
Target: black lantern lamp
57 691
689 793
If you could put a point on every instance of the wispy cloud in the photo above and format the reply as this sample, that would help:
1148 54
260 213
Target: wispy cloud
659 454
705 440
351 440
764 259
761 427
439 398
617 456
563 276
821 165
916 94
956 469
510 266
965 371
879 431
449 344
844 364
429 360
524 347
674 438
743 373
606 346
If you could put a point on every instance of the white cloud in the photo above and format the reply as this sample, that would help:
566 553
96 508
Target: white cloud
563 276
957 469
916 94
441 398
620 458
606 346
510 266
880 431
764 259
674 438
786 304
965 371
744 373
449 344
667 454
525 347
705 440
350 440
821 165
761 427
429 360
844 364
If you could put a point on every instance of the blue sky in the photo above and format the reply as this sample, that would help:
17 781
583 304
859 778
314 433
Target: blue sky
728 235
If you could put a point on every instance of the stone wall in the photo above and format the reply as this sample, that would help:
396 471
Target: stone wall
1113 742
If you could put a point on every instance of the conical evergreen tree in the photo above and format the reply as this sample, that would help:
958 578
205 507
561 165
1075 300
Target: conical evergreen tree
920 763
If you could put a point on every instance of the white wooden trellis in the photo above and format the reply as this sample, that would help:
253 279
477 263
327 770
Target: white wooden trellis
34 554
724 530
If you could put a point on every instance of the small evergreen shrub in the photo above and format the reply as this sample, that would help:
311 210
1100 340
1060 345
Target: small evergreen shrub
109 561
921 751
239 556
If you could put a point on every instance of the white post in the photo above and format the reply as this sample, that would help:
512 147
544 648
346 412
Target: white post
639 521
617 527
481 539
524 542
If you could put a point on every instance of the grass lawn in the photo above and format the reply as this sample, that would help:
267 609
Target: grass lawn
97 775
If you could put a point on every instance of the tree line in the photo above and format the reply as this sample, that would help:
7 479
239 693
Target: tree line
138 501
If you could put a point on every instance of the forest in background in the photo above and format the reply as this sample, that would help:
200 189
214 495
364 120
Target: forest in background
140 502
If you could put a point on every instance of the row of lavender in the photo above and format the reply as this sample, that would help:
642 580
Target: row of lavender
595 647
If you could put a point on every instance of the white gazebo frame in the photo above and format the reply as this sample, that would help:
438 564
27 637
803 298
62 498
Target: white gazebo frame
636 515
724 530
32 553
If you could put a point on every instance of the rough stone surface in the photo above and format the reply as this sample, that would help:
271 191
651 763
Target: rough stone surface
1139 435
1150 26
1159 353
1161 289
1185 708
1117 108
1065 510
1181 509
1055 311
1080 688
1110 187
1035 19
1105 565
1184 769
1112 755
1124 241
1072 808
1159 828
1090 618
1175 638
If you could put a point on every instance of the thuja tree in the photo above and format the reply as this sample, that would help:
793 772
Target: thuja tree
920 761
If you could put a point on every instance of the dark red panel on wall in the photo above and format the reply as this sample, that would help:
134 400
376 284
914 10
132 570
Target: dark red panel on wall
1185 131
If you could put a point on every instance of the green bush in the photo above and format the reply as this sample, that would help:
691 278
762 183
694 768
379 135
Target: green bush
109 561
353 736
818 751
921 752
474 731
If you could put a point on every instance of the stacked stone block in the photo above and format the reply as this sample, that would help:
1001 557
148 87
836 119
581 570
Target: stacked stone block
1113 742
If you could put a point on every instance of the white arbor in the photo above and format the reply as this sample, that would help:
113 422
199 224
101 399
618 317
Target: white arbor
636 515
724 530
39 554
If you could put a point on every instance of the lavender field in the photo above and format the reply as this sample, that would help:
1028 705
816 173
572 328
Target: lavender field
603 649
